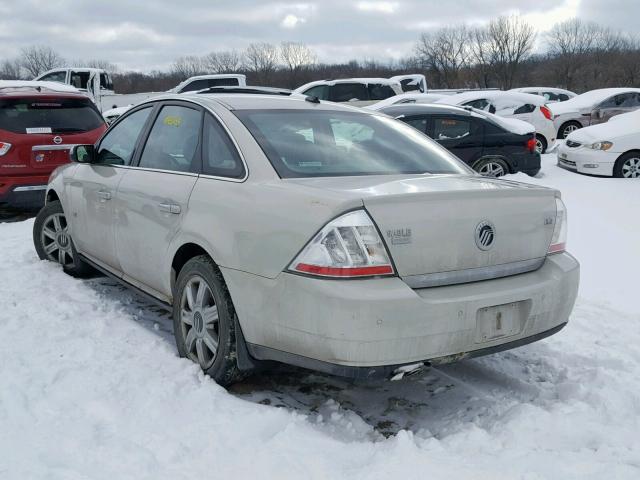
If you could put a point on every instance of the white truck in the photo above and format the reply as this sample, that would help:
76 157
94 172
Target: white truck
98 84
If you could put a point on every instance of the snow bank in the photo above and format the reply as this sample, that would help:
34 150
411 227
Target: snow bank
91 386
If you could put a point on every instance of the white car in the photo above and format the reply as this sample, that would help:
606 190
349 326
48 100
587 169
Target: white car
523 106
200 82
550 94
592 108
412 82
611 149
356 91
410 97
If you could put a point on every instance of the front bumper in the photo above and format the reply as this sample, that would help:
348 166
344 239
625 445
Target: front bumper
26 192
382 322
587 160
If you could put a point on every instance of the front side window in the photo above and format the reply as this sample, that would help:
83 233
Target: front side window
49 115
347 92
319 91
303 143
481 104
173 140
447 128
118 144
526 108
60 77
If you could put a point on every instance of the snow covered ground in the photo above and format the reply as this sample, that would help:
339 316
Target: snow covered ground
91 386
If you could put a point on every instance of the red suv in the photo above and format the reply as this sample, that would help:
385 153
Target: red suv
38 126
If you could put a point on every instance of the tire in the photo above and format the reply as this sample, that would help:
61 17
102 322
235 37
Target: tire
53 241
567 128
491 167
204 320
541 144
627 166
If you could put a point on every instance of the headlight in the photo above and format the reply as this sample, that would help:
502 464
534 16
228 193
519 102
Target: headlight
601 145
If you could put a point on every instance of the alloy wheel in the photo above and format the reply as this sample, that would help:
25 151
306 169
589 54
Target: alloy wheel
569 129
56 240
631 168
492 169
199 322
539 146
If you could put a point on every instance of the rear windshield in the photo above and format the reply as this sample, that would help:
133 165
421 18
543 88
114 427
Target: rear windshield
303 143
49 115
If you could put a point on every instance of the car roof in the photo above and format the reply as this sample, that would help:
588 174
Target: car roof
424 108
363 80
465 97
221 89
243 101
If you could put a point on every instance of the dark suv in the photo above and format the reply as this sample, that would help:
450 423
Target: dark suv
493 146
38 126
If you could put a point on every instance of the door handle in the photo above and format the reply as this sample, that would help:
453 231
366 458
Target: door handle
104 195
170 208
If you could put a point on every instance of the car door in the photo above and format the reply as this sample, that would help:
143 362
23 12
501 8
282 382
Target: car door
153 197
461 135
93 189
622 103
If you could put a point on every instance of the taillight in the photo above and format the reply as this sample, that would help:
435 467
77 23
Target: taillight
546 112
348 246
531 144
4 148
559 237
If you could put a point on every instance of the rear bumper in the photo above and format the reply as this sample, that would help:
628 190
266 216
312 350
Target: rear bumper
528 163
382 323
587 160
23 192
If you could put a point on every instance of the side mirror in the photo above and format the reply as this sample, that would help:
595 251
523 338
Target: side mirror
83 154
597 113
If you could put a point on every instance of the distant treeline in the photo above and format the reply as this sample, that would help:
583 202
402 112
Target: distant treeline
576 55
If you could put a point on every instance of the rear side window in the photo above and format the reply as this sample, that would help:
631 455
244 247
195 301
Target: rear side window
526 108
380 92
346 92
221 159
173 141
481 104
419 123
79 79
117 146
49 115
446 128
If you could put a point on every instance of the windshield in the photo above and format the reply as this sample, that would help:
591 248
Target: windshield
303 143
49 115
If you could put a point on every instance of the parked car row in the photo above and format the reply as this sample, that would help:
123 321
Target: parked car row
283 228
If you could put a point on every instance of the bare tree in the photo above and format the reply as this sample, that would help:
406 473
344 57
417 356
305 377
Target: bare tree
569 44
228 61
36 59
11 70
188 66
510 43
481 56
296 57
445 52
262 60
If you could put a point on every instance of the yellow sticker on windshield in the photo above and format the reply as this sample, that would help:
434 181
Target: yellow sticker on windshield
172 121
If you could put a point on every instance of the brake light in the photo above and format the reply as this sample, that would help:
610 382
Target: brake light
531 144
546 112
346 247
4 148
559 237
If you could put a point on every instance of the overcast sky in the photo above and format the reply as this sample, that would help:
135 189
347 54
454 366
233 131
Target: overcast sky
147 34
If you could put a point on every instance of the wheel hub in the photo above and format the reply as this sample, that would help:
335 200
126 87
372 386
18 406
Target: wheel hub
198 322
63 240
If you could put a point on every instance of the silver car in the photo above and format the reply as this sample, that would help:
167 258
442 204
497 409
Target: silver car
309 233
